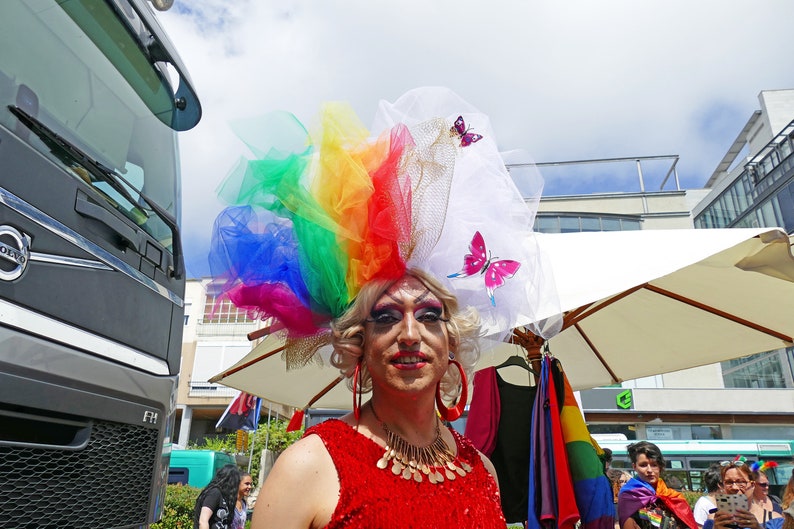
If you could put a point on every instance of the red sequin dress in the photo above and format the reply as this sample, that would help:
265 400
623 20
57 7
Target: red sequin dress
374 498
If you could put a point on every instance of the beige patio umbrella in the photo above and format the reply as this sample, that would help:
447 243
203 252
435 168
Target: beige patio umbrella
635 304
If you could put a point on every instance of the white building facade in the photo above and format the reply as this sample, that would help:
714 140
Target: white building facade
215 337
745 398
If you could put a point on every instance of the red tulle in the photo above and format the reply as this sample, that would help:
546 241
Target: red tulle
389 215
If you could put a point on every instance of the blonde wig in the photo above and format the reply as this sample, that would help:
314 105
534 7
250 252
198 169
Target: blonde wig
463 329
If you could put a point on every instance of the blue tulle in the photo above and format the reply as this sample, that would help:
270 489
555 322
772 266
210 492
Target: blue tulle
253 247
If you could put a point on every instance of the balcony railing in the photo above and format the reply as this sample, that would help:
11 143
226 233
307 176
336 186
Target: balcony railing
207 389
234 330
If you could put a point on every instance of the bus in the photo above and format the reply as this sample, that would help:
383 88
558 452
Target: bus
92 96
686 461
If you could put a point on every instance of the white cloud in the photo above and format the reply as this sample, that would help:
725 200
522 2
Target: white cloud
561 79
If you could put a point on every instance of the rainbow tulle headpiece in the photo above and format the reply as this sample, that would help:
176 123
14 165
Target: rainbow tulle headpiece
320 212
762 466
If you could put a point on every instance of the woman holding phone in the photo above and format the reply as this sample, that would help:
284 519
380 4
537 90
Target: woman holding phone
733 507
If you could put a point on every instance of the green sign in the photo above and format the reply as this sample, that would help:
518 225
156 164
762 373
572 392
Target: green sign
623 399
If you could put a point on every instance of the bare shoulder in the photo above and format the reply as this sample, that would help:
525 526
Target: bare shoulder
301 490
306 454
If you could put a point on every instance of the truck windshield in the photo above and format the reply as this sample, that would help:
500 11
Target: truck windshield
101 94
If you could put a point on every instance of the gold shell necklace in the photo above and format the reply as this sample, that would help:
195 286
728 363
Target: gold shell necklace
417 462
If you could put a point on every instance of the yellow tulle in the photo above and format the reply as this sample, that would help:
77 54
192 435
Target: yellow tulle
343 186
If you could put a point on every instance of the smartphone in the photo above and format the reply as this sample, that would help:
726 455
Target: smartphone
730 502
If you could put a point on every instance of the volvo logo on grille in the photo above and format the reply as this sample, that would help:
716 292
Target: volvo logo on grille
14 253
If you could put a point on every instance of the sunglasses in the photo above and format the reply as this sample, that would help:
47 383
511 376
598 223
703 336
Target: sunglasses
740 483
734 463
762 485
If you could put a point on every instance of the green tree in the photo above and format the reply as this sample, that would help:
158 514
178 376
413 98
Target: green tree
276 437
180 500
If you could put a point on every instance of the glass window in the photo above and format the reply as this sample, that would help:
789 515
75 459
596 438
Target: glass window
735 207
764 370
630 225
547 224
211 359
743 193
629 430
785 148
767 211
591 224
765 167
760 431
223 311
100 94
569 224
722 211
786 199
706 431
701 463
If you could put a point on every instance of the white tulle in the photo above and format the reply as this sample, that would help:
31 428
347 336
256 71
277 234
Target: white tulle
483 197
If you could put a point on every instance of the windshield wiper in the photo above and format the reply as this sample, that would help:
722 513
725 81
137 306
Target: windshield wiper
99 171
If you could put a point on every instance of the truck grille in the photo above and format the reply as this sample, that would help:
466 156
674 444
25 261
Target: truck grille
106 484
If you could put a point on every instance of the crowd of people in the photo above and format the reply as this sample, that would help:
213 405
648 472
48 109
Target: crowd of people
736 496
355 245
736 492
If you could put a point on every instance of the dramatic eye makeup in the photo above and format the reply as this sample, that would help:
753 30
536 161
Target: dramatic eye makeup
430 313
390 314
385 315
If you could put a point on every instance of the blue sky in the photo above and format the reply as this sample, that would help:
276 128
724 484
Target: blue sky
566 80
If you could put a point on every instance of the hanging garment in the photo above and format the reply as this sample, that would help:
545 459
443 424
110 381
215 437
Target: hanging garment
499 426
592 488
485 410
552 504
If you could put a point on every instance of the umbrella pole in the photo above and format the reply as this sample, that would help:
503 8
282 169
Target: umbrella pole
267 433
251 452
532 344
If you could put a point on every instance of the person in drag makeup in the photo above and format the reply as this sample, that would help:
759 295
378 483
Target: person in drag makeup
369 255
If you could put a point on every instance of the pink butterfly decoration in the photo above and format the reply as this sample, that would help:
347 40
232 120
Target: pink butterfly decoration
479 260
466 137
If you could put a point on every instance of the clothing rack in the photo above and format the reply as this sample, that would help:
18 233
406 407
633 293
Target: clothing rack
534 345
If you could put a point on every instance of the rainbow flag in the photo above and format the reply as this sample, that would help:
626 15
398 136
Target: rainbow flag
592 488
